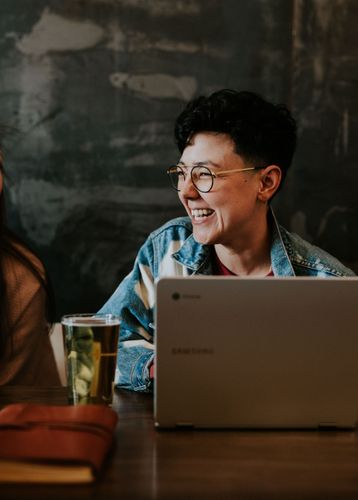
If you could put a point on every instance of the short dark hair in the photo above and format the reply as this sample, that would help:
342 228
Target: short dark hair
263 133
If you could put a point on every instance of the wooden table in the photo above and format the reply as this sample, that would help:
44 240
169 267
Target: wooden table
150 464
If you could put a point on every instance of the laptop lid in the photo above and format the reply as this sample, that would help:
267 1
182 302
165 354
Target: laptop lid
256 352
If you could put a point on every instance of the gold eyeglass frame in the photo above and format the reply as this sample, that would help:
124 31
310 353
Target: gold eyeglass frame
175 168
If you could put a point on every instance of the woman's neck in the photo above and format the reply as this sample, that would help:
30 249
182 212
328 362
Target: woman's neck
248 257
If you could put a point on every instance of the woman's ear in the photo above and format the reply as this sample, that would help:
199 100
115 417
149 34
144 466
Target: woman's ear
269 182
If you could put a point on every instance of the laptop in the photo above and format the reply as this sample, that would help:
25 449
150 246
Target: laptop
256 353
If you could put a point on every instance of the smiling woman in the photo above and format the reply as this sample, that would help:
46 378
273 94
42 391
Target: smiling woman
26 356
235 149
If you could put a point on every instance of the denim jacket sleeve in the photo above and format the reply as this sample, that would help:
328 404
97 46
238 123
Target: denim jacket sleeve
133 301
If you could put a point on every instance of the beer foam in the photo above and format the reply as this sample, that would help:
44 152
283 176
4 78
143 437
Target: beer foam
95 320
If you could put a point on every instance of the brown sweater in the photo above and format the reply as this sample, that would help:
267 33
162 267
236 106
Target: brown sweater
28 357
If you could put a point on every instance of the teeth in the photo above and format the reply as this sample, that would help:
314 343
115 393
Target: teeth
201 212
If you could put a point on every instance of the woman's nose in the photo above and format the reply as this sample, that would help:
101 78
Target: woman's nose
187 189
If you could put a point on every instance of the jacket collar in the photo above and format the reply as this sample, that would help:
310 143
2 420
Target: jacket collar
194 256
197 257
280 261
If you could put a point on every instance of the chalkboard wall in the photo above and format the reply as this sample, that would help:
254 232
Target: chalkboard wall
91 88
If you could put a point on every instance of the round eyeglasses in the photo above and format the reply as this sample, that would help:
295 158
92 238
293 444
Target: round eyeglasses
201 177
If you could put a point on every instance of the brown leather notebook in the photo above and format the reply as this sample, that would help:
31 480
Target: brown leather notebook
54 444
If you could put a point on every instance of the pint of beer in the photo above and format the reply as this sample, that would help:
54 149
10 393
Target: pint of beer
91 343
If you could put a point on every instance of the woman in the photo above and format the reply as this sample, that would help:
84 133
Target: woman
26 356
235 149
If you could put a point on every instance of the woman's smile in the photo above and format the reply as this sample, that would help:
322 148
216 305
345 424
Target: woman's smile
200 215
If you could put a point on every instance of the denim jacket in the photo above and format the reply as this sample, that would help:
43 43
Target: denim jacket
172 251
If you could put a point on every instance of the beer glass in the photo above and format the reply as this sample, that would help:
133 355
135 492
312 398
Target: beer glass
90 344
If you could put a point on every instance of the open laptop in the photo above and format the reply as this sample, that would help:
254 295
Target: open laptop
256 353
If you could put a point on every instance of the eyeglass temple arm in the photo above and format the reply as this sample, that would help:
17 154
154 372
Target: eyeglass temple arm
223 172
218 174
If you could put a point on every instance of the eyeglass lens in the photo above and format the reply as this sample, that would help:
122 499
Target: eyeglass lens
201 177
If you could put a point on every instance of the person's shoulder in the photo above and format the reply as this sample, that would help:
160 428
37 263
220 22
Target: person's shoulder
31 258
178 228
165 240
22 268
307 256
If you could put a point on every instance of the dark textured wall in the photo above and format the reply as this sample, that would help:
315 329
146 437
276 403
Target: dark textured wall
91 89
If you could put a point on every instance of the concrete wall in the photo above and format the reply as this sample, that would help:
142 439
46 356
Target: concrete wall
91 90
